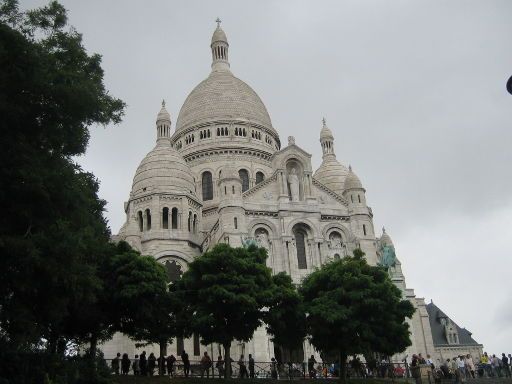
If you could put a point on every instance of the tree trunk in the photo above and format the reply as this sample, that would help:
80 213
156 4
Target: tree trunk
163 352
227 360
93 347
343 366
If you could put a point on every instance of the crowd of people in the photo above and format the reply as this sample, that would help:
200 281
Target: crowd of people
459 368
148 366
463 367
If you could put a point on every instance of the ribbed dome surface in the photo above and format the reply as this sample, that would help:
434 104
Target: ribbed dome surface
222 96
219 35
332 174
352 181
163 170
385 239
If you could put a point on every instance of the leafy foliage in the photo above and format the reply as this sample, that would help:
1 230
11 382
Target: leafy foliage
353 307
286 319
226 289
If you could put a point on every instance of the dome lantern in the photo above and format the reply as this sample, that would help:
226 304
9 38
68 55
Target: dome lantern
163 125
326 140
220 49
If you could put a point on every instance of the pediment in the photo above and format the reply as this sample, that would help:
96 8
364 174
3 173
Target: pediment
267 190
327 196
292 151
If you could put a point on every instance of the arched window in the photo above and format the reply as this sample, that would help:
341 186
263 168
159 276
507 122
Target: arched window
189 221
233 189
194 226
235 222
359 198
141 221
259 177
364 229
165 218
244 175
148 219
207 186
301 248
174 218
352 198
336 256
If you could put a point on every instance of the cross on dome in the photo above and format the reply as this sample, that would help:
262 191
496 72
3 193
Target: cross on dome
324 123
218 21
163 103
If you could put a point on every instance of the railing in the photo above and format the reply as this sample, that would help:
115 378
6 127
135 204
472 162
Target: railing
287 371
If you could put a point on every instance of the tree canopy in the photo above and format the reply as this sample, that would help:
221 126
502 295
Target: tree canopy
52 224
353 308
227 289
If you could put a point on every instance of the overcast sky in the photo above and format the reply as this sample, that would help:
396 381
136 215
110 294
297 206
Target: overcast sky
414 92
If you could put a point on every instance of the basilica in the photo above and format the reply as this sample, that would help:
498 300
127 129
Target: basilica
223 175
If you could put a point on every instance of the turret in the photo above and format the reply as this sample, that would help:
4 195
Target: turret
220 48
326 140
163 125
231 211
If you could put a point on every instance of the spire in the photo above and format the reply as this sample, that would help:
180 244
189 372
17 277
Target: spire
163 125
326 140
220 49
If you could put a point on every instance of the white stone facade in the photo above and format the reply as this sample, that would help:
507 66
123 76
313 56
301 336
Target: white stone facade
224 176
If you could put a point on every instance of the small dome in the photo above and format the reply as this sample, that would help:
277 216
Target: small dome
332 174
385 239
352 181
222 96
163 115
325 133
219 35
163 170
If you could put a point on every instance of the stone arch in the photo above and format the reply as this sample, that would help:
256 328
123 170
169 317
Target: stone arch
264 223
183 257
345 232
313 228
302 234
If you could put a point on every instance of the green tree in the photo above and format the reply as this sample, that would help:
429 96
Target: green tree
227 289
52 229
353 308
286 319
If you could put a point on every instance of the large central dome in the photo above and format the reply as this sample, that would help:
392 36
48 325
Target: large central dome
222 96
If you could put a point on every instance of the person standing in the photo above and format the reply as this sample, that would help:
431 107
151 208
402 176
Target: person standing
242 368
115 364
143 364
251 366
506 368
151 364
461 367
273 368
220 366
470 365
311 367
170 365
206 363
186 363
136 366
125 364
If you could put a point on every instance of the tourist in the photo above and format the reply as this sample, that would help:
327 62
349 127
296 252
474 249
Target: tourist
429 361
415 369
470 365
135 366
251 366
242 368
115 364
454 369
495 366
273 368
151 364
421 359
506 368
125 364
143 364
206 363
445 368
461 366
220 366
311 367
186 363
170 365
